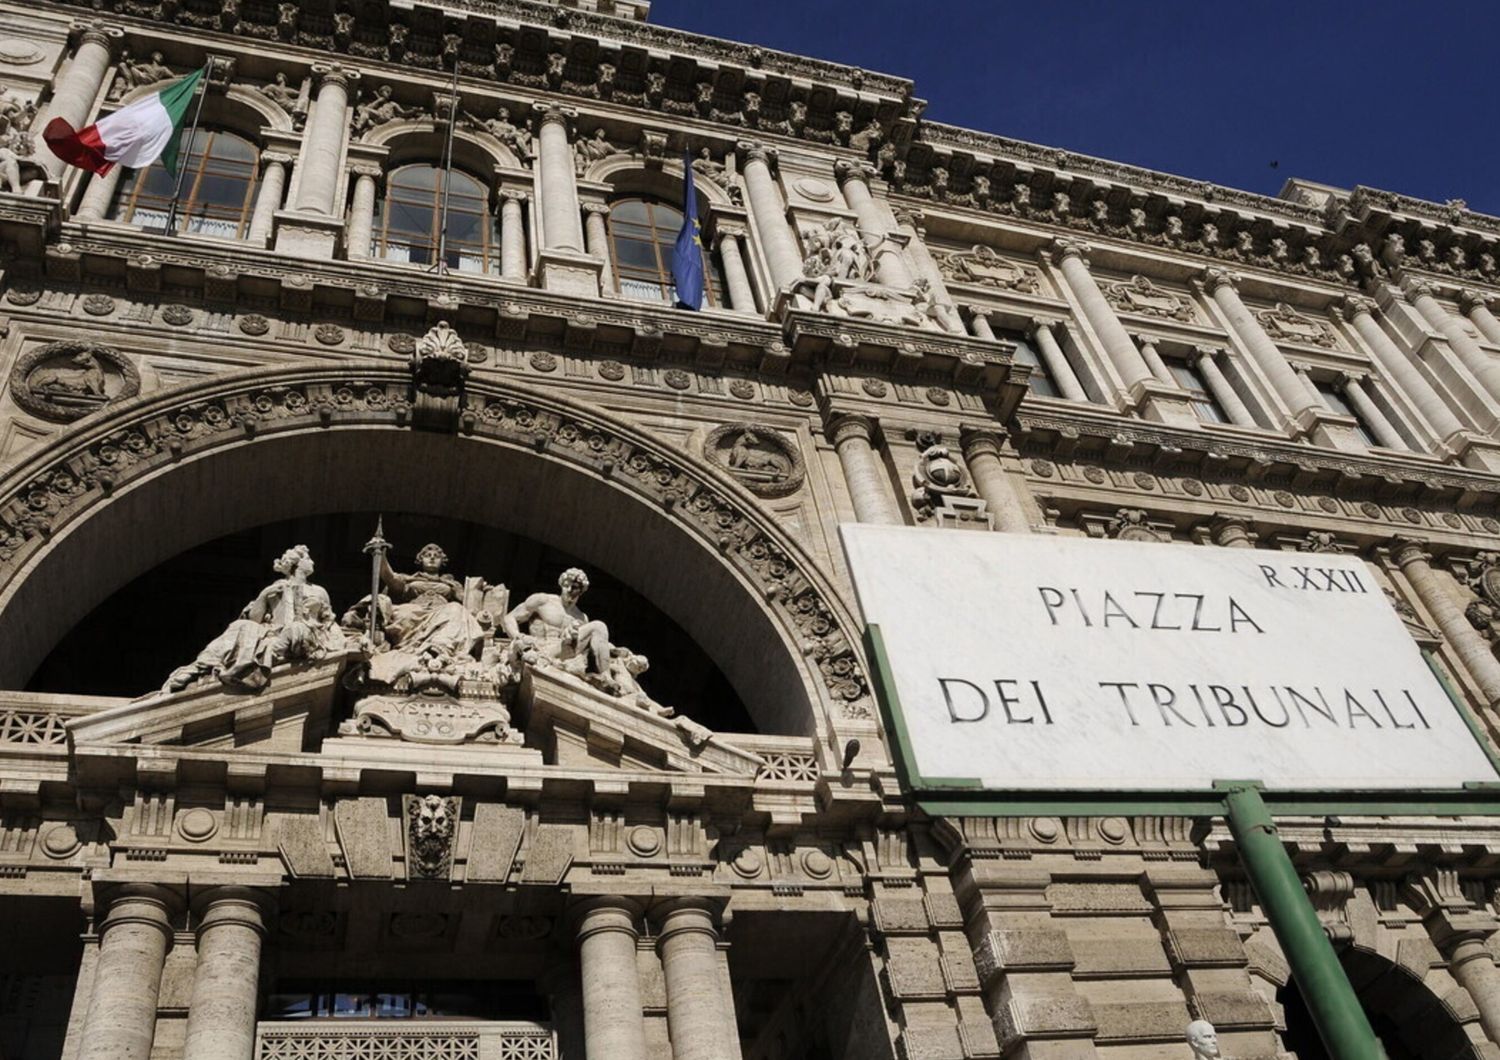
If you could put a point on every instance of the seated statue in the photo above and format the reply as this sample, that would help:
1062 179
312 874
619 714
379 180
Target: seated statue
557 630
290 620
425 615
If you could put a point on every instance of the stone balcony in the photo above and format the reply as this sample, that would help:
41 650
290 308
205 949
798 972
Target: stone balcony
404 1040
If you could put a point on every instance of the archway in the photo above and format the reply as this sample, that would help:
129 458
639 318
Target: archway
131 487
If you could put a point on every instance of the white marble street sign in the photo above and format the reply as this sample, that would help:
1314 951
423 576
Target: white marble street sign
1032 662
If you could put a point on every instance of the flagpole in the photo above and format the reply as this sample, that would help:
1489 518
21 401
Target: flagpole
182 158
442 247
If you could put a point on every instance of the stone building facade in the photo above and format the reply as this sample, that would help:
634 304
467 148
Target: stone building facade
468 828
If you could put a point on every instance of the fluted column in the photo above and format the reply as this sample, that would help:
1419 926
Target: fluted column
268 196
1100 314
992 483
512 236
1152 356
596 231
909 224
562 226
1473 650
769 215
1056 361
1206 359
736 277
1369 412
890 266
221 1016
1360 312
98 196
1220 286
1477 305
133 940
1483 367
74 92
1473 965
869 492
323 144
698 1019
361 211
613 1026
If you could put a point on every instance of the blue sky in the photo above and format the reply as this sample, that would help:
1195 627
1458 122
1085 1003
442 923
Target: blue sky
1395 95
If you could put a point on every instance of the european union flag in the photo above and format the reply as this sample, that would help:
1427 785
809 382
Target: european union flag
687 252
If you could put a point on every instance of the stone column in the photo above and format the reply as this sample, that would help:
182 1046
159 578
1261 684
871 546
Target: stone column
323 145
1385 433
361 212
698 1019
1359 311
98 196
596 229
1477 305
1313 394
1483 367
992 483
221 1016
1206 359
562 227
980 325
74 92
769 215
512 236
1472 964
909 224
133 940
1232 531
268 196
736 276
854 439
1472 649
1152 356
890 266
613 1026
1056 361
1100 314
1220 286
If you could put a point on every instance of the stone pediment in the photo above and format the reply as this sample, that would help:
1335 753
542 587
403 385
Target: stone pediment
289 715
574 724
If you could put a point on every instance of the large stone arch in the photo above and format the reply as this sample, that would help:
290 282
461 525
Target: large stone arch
127 488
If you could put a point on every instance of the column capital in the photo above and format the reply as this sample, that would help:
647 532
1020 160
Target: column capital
1036 324
1414 287
600 209
228 904
95 32
1231 531
1470 299
845 171
1067 247
516 195
1214 278
1351 377
555 114
141 903
366 169
335 74
1355 305
611 913
911 217
1203 353
755 151
981 441
275 158
686 916
1408 550
842 426
729 230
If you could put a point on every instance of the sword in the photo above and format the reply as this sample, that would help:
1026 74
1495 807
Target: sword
376 548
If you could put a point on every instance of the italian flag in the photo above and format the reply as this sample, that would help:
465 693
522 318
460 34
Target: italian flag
133 136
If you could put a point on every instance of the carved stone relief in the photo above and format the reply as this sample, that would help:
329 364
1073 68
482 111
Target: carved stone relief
63 381
1287 325
431 826
1140 295
983 266
942 489
759 457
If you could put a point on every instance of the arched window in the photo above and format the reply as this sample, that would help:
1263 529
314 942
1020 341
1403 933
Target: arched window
407 219
641 235
219 172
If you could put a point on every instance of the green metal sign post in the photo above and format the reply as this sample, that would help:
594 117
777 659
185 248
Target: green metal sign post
1335 1008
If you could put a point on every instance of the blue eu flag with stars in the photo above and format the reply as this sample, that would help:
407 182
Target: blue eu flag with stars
687 252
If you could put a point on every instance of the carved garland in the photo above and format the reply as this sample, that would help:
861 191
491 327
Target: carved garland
773 467
60 486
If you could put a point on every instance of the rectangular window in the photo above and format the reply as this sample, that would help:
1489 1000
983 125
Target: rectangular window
1040 381
1190 378
1335 401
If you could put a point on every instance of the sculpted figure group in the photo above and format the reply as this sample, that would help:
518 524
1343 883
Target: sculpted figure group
431 632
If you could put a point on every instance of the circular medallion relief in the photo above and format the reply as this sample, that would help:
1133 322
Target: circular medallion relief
677 379
177 315
23 294
98 305
742 389
1114 829
1285 499
63 381
60 841
817 864
329 334
800 398
814 190
643 841
1372 510
747 863
15 52
938 396
543 361
1044 829
254 324
758 457
197 825
1239 493
403 344
1144 481
1094 475
1411 515
873 387
1042 468
1192 487
1328 504
613 371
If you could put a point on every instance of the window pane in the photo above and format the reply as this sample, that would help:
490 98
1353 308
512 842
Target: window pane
634 254
631 210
